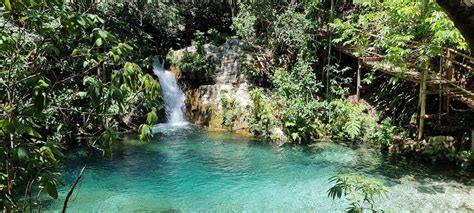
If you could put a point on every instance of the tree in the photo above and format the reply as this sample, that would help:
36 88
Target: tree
461 12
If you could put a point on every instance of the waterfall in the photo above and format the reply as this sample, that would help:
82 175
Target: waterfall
173 96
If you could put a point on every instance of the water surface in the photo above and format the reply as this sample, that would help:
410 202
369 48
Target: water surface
185 169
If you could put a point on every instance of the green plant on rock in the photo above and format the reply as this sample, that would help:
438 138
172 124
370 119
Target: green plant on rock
346 120
465 159
261 120
301 110
195 69
360 191
385 132
215 37
229 110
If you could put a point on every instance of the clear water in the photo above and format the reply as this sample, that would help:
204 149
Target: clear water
173 96
189 170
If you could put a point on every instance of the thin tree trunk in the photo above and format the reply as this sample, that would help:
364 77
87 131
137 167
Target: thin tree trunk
73 187
331 15
449 76
422 103
359 67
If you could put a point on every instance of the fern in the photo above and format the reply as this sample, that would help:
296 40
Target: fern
229 111
362 192
353 128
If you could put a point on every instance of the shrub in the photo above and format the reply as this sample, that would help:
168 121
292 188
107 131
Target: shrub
229 112
195 69
359 190
261 121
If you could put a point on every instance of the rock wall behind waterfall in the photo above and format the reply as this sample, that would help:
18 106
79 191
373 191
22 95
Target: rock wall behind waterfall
202 104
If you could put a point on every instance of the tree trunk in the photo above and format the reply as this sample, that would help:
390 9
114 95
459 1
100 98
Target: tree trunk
461 12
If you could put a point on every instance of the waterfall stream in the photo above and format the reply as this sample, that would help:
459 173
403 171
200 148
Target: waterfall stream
173 96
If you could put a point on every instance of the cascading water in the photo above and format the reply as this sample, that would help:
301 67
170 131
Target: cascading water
173 96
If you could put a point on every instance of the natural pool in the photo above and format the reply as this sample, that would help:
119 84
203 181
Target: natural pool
188 169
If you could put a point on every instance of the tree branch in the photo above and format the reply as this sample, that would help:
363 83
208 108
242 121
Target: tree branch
461 12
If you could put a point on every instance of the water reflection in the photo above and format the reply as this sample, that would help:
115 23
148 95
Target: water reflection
188 169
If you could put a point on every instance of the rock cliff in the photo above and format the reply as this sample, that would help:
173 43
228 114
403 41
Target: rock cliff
205 104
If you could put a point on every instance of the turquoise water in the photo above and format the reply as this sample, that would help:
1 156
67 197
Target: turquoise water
191 170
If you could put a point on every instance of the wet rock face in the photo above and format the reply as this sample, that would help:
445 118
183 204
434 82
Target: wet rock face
203 103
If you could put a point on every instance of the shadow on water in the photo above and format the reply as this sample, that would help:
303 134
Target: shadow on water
395 167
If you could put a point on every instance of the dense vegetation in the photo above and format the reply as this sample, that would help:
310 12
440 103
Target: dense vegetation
78 73
310 84
303 86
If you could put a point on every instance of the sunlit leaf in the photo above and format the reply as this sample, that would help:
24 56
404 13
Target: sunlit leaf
8 5
98 42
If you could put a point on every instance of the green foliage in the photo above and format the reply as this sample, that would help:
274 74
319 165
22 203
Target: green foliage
438 149
347 120
106 139
261 120
386 130
298 81
293 31
194 69
339 83
155 26
393 28
229 110
297 89
360 191
67 74
216 37
145 132
301 120
152 117
465 159
244 22
255 20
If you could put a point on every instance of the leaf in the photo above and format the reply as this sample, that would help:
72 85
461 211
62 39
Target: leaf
295 136
41 98
127 47
22 153
152 117
102 34
80 20
6 126
81 94
23 19
51 190
75 52
116 58
352 128
33 132
47 154
8 5
98 42
146 132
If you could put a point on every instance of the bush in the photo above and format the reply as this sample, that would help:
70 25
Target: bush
229 112
195 70
359 190
261 121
